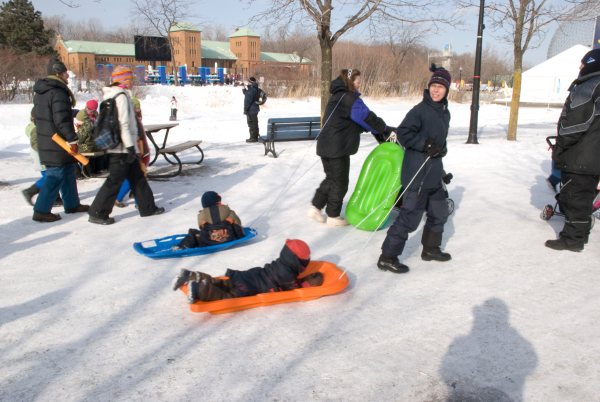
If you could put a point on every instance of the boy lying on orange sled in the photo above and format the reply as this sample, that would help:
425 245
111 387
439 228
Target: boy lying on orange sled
279 275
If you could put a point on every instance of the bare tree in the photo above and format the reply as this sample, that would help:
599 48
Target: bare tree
320 14
524 23
160 16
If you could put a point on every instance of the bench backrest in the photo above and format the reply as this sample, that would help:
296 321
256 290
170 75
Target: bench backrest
290 128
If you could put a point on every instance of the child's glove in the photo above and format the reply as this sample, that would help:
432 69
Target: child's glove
432 149
447 178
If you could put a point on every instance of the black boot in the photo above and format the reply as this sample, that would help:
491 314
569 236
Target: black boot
561 244
435 254
181 279
391 264
45 217
28 193
431 242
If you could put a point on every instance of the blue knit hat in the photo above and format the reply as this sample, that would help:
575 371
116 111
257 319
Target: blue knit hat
210 198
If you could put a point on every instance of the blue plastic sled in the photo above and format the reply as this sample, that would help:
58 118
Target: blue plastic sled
161 248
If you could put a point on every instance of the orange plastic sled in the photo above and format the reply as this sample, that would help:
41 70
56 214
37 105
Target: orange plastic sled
334 281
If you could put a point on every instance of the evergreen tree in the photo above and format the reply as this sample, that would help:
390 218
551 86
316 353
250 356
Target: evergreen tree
22 28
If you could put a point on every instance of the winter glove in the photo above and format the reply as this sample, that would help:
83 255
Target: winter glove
432 149
74 147
383 137
131 155
447 178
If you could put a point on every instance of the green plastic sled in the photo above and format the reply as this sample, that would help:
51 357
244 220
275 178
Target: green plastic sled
377 187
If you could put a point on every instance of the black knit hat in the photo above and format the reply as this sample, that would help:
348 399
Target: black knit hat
591 62
440 76
210 198
55 67
252 79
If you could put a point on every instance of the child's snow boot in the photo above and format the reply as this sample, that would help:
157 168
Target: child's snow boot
183 277
391 264
336 221
561 244
434 254
315 213
193 291
431 242
28 193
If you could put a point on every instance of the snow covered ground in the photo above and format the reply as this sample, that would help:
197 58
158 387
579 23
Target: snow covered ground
85 318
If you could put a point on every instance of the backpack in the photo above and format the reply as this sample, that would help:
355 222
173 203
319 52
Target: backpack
212 233
262 97
107 133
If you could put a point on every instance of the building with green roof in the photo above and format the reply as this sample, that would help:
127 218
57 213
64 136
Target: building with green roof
241 55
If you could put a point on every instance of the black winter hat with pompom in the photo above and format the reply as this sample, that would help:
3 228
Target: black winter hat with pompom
440 76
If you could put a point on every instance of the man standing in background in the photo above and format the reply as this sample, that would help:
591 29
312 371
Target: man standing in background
251 108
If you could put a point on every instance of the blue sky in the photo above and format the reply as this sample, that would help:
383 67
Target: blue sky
233 13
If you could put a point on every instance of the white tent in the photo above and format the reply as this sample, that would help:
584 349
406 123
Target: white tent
549 81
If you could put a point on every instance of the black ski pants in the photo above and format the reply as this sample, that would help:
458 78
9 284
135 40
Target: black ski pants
575 201
332 190
120 169
252 119
415 203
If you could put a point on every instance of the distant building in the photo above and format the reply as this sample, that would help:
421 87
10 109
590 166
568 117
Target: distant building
241 55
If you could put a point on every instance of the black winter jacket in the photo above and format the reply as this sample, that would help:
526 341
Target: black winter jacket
427 120
279 275
251 96
53 102
346 117
577 148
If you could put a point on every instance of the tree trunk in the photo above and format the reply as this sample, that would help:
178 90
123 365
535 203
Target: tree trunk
326 72
513 120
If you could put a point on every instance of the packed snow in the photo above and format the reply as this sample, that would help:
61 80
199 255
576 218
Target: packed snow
85 318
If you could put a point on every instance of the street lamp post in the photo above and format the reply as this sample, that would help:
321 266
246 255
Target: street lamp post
472 139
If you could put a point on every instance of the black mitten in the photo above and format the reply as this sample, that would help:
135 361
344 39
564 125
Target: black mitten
432 149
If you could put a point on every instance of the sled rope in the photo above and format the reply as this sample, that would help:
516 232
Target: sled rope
383 220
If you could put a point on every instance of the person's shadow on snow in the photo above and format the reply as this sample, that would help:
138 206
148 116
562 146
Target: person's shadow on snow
492 362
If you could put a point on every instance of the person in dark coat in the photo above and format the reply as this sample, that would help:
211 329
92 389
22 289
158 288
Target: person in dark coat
346 117
423 134
279 275
576 153
251 108
53 104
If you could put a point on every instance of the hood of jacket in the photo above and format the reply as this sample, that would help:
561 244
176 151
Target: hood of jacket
53 82
289 259
337 85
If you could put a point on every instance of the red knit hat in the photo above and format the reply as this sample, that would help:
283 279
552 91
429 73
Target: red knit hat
92 104
299 248
122 74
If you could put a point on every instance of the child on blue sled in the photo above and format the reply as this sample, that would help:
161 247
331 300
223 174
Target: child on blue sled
279 275
217 223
